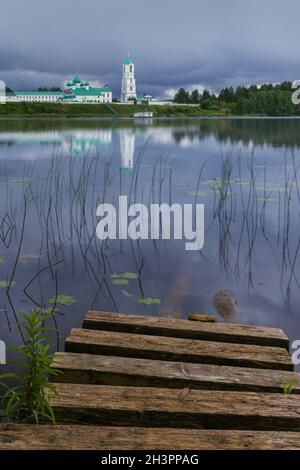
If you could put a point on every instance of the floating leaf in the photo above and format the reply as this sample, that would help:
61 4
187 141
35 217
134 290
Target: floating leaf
31 256
28 257
184 185
129 276
47 310
6 284
149 301
2 260
20 180
120 282
216 182
62 299
197 193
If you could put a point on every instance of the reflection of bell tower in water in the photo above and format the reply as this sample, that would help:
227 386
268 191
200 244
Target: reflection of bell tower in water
127 144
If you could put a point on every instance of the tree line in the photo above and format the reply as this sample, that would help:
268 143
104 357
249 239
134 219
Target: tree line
267 99
53 88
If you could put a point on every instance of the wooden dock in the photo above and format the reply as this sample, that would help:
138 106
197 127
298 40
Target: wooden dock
137 382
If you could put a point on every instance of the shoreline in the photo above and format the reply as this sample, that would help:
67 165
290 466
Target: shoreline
59 117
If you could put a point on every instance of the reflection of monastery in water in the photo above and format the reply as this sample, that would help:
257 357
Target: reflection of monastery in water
77 142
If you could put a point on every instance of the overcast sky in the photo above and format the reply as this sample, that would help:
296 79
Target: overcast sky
204 43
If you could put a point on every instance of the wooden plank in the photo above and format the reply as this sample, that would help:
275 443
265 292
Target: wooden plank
160 407
176 349
113 370
246 334
75 437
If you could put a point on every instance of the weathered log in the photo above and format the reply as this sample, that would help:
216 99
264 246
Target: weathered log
114 370
186 408
177 349
74 437
173 327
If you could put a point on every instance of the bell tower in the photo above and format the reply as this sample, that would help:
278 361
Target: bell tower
128 81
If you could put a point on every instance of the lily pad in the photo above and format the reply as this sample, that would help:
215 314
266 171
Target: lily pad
6 284
120 282
62 299
31 256
2 260
20 180
149 301
129 276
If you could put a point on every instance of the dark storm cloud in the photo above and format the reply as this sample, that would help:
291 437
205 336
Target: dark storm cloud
206 42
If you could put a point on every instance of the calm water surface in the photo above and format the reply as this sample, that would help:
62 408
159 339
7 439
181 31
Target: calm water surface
55 173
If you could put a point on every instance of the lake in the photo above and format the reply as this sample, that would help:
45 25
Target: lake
54 174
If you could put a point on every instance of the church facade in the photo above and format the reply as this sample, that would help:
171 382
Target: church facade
82 92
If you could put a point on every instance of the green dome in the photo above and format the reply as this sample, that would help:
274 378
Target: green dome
76 79
128 61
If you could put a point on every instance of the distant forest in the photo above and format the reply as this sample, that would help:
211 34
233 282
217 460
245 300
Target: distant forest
268 99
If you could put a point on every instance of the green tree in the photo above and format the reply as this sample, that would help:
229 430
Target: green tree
195 97
53 88
286 86
205 95
182 96
227 95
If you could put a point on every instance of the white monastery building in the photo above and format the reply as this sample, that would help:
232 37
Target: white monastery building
82 92
76 91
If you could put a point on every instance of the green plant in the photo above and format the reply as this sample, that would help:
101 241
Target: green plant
30 400
288 387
